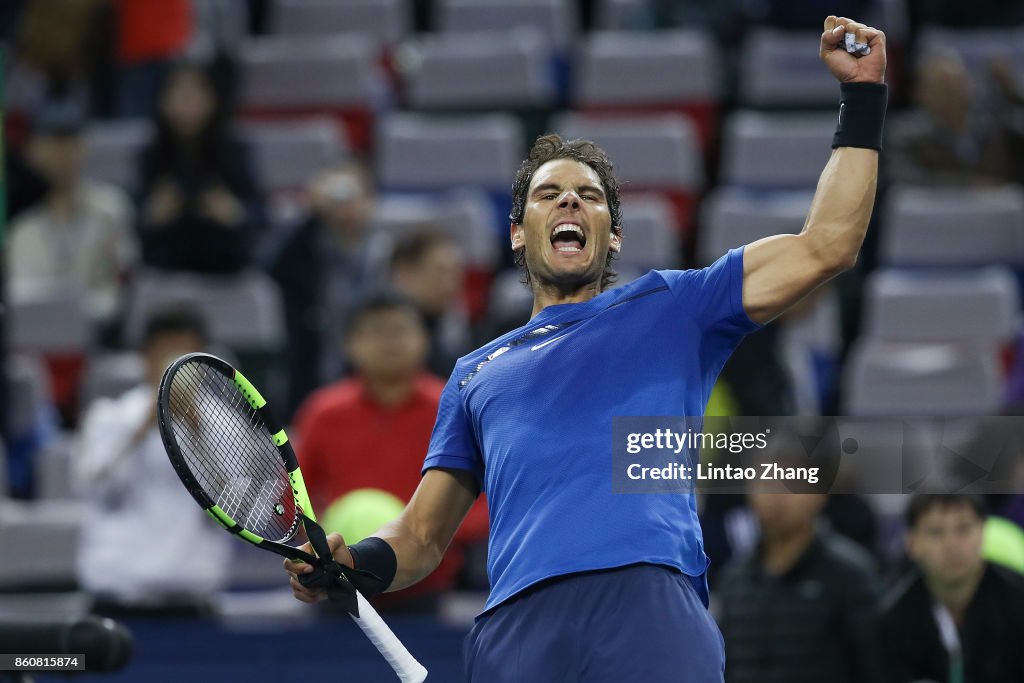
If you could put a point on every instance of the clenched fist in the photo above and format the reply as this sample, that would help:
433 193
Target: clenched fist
853 68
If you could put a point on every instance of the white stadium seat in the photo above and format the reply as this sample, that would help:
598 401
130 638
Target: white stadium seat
783 69
659 150
556 19
422 152
386 20
510 68
913 379
286 154
953 226
776 151
732 218
650 239
311 71
942 306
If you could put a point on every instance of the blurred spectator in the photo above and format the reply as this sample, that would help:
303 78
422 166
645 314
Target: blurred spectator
123 473
372 431
955 618
322 266
57 38
427 266
200 205
150 36
79 237
800 607
949 137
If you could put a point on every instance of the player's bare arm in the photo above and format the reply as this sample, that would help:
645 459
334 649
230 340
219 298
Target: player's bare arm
779 271
419 537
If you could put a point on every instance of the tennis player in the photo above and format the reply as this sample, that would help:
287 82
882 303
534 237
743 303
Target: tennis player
587 585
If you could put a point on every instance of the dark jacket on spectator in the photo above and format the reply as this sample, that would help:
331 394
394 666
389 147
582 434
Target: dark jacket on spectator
815 623
991 637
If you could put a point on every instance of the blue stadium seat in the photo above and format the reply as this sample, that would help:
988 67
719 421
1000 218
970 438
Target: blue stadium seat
286 154
112 151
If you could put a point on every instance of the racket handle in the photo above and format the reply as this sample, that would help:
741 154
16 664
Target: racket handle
404 664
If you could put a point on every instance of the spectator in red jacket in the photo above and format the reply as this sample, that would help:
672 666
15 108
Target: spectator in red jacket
372 430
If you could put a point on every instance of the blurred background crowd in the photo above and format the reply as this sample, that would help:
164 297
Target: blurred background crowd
319 190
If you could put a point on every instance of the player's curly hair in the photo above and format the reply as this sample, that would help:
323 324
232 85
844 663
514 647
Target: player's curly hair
548 148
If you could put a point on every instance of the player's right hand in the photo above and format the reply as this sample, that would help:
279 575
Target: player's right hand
296 567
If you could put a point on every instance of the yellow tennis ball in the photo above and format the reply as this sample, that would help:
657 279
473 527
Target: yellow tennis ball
1004 543
360 513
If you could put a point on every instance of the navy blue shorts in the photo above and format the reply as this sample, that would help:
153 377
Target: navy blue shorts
637 623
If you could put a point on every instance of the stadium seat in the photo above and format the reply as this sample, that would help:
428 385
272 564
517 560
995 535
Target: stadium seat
912 378
423 152
774 151
659 70
53 477
388 21
112 150
619 15
466 214
952 226
48 322
732 218
782 69
38 543
108 375
511 69
942 306
242 311
287 154
650 240
296 76
556 19
652 153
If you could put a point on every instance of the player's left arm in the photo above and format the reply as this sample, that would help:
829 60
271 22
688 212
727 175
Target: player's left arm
779 271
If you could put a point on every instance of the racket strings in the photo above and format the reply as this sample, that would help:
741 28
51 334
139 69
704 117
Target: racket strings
230 452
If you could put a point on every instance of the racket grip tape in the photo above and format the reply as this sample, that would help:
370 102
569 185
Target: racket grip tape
401 660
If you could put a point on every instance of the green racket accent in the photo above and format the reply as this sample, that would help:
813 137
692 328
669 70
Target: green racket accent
218 514
301 497
251 537
254 397
280 438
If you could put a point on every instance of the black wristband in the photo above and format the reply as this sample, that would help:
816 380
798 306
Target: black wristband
375 565
861 115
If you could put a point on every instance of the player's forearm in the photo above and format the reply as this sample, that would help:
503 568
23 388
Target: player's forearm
839 215
416 556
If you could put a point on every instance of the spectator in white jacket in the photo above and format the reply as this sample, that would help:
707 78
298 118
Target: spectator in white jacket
146 546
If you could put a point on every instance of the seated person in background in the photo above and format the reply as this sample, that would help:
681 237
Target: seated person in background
79 238
956 617
132 557
322 265
948 137
200 205
371 431
427 267
800 607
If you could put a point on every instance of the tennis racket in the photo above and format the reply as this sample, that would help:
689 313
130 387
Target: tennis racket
238 465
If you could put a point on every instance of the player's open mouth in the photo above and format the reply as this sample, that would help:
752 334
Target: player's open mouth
568 238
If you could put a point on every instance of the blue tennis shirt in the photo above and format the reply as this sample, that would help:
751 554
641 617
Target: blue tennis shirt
531 415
